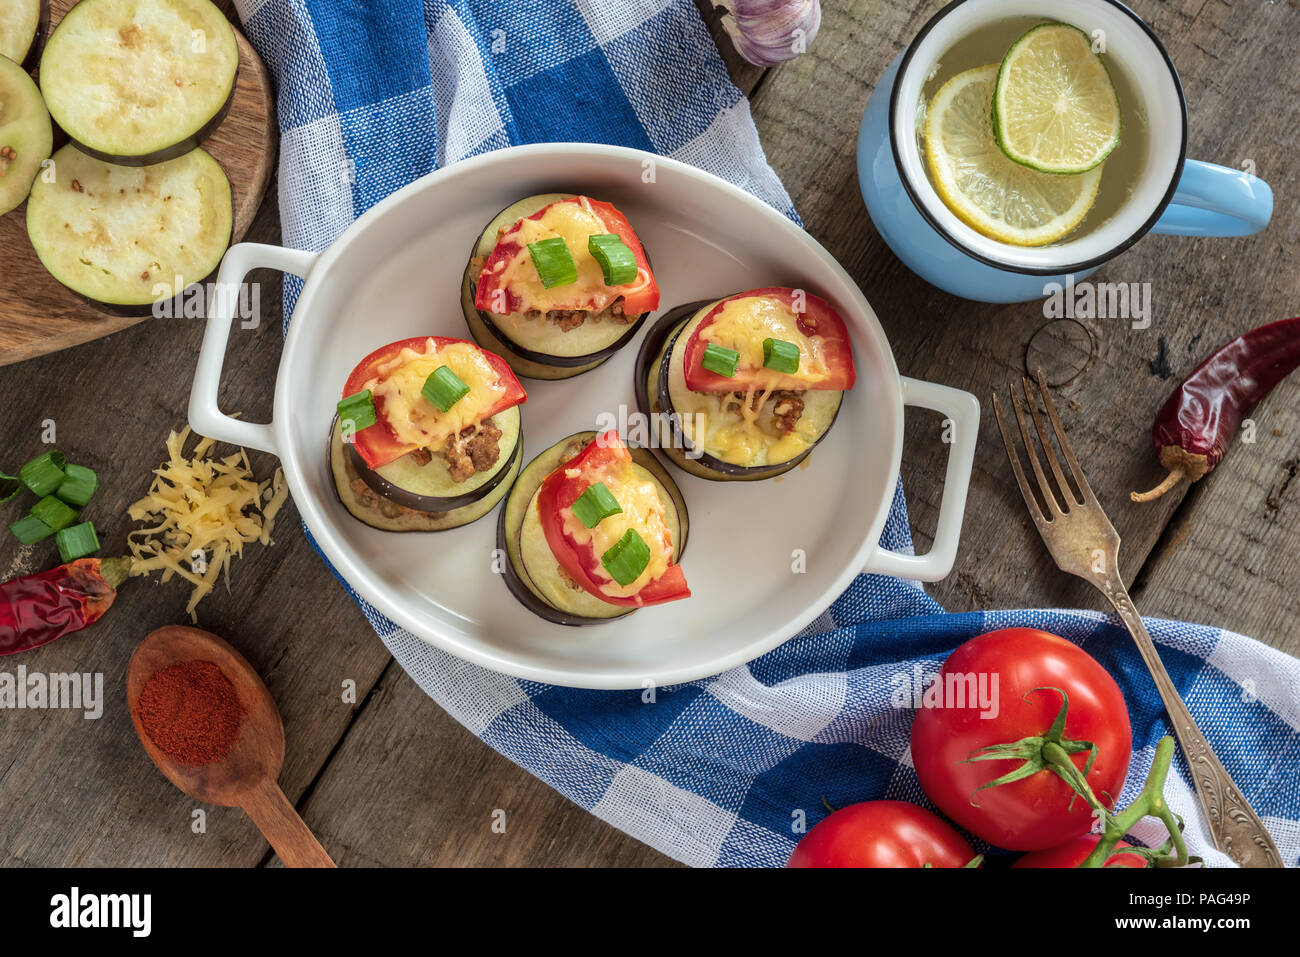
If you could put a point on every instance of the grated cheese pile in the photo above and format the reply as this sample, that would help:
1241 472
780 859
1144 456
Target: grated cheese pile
206 510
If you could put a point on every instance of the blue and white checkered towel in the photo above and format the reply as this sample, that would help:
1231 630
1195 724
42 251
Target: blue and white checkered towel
713 772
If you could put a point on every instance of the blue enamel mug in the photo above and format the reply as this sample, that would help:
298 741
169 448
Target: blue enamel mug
1172 194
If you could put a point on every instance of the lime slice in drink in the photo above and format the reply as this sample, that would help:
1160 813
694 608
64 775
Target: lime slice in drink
1055 108
990 193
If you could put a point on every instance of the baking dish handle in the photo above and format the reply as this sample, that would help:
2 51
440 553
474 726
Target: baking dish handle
961 430
206 417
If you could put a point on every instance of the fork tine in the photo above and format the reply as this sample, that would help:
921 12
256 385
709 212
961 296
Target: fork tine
1044 486
1080 479
1067 494
1031 503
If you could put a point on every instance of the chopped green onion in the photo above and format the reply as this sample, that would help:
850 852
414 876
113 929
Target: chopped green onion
780 356
11 490
617 263
77 541
720 359
54 513
29 530
554 262
596 504
78 486
627 558
43 474
359 409
444 388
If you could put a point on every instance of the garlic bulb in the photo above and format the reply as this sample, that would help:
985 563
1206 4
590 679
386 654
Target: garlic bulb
768 32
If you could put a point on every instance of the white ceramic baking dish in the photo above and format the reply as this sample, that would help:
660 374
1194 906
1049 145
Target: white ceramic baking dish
396 272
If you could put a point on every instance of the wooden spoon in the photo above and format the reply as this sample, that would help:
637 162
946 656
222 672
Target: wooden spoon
246 777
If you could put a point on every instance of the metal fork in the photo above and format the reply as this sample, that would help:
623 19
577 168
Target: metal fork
1083 542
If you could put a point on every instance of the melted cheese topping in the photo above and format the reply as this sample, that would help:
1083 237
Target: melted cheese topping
206 510
574 223
743 324
642 511
415 420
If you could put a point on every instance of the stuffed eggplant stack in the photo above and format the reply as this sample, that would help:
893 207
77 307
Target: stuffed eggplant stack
556 284
427 435
745 386
592 531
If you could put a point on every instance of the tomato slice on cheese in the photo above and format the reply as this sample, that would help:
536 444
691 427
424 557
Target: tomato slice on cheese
395 375
741 322
510 283
578 549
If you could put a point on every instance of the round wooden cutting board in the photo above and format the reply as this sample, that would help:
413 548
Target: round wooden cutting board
38 314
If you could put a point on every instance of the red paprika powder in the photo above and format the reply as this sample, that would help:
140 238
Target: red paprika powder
191 712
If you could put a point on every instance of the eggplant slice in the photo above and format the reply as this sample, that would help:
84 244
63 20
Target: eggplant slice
537 583
22 24
26 136
391 516
430 488
137 82
537 348
653 399
130 236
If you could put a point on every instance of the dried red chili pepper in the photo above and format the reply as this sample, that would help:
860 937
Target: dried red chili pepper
38 608
1196 424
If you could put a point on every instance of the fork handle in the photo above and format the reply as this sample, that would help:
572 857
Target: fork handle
1234 825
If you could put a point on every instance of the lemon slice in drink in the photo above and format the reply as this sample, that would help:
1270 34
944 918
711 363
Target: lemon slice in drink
986 190
1055 108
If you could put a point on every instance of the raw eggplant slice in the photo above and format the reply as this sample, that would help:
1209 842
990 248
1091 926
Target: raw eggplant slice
388 516
26 136
532 582
136 82
130 236
22 23
430 488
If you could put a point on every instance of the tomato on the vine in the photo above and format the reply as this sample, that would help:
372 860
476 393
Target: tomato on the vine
882 834
1073 853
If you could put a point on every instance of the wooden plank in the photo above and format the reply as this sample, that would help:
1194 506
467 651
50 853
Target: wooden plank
38 315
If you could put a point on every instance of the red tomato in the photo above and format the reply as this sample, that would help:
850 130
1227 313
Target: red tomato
1073 853
1035 812
636 298
817 318
560 490
882 834
377 445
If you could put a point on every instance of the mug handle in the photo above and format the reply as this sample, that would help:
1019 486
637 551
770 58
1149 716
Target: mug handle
206 417
963 410
1216 201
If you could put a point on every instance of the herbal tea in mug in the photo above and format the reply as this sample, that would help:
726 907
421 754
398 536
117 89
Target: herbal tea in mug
1031 134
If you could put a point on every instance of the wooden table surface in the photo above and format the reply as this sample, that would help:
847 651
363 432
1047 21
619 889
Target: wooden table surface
392 779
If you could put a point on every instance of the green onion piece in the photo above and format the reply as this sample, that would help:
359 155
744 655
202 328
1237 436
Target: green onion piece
617 263
554 262
780 356
10 485
43 474
29 530
720 359
78 486
596 504
77 541
444 388
54 513
627 558
359 409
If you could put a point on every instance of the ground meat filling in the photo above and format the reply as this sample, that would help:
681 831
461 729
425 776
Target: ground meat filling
566 319
787 405
475 449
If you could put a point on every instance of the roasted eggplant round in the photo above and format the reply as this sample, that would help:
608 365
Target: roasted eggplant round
137 82
399 509
537 348
26 136
23 23
532 573
658 373
130 236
